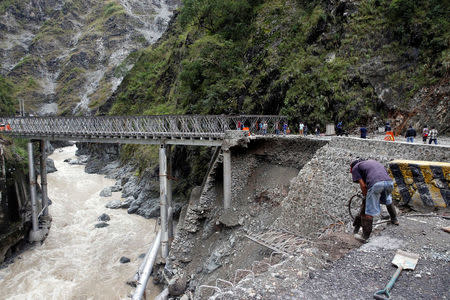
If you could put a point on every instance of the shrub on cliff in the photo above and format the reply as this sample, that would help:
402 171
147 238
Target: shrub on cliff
7 102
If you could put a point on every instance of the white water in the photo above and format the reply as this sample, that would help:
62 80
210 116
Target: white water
78 261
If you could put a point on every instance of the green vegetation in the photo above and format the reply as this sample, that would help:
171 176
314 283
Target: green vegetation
292 57
13 4
112 8
7 101
50 29
15 149
144 155
304 59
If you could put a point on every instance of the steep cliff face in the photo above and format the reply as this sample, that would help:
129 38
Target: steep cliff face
69 56
15 203
360 62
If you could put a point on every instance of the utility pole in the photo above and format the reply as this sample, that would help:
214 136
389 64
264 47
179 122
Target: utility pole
21 107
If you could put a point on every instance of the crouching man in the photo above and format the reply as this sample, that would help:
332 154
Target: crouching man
376 186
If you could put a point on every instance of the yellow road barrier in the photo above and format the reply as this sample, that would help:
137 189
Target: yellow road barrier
421 183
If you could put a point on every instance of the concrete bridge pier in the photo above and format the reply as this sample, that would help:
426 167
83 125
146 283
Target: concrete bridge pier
35 234
44 178
226 178
164 205
169 194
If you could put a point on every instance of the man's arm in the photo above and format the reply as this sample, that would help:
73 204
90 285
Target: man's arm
363 186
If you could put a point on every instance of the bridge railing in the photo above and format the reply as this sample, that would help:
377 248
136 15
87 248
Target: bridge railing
178 126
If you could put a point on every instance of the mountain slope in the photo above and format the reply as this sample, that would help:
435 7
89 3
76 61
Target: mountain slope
67 56
360 62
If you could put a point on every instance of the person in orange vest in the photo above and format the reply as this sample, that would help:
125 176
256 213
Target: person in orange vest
389 134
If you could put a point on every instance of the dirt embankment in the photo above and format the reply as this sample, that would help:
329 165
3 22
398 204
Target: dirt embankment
211 243
288 219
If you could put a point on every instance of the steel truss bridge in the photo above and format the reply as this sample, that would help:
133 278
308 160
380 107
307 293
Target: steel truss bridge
201 130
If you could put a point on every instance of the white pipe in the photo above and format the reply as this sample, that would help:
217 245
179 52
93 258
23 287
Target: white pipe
163 295
143 278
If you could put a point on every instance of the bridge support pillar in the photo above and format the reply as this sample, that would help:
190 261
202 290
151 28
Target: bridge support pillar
169 194
163 201
35 234
44 178
226 179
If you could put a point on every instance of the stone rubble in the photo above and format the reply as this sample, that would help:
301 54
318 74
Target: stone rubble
311 203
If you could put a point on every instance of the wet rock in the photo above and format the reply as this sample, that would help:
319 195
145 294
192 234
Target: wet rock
131 188
104 218
134 206
110 168
94 166
51 166
177 286
144 206
177 207
81 160
213 262
101 225
115 188
114 204
147 209
106 192
132 283
126 203
124 260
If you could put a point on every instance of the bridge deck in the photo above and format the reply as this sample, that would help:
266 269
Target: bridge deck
205 130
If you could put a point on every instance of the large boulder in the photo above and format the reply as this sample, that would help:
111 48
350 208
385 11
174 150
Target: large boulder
106 192
50 166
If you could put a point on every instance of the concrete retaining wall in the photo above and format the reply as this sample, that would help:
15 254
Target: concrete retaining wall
393 150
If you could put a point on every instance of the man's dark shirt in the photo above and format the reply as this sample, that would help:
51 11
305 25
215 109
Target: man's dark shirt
363 131
410 132
370 171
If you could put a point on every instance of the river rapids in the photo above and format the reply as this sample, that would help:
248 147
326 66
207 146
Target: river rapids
77 260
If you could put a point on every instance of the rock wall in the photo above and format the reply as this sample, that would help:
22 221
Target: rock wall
140 193
67 57
15 214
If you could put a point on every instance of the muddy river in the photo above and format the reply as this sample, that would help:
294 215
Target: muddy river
77 260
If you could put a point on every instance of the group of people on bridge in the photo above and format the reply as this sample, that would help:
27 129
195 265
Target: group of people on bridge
262 128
